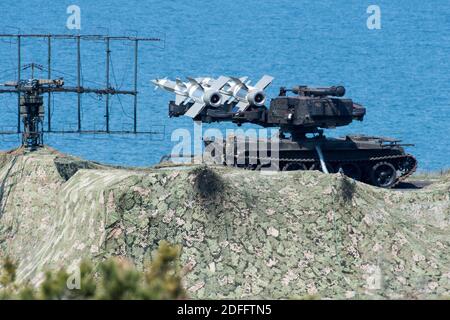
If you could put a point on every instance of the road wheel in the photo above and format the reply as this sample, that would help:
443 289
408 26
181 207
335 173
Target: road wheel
294 166
383 174
407 164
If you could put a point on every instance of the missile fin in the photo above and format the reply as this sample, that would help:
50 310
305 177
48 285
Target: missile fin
179 99
219 83
242 105
238 81
193 81
187 100
180 83
195 110
264 82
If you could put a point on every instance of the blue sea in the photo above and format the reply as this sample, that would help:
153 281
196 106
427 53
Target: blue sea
400 73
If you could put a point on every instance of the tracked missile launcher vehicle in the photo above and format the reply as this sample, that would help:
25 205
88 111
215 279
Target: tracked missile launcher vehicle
301 113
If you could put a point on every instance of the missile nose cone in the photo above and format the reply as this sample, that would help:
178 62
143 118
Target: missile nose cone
157 83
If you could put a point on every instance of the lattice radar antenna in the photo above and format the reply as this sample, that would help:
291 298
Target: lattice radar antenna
30 104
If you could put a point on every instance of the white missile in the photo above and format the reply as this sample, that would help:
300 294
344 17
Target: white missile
194 91
247 95
238 90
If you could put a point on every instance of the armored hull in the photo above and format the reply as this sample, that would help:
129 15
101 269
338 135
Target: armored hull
375 160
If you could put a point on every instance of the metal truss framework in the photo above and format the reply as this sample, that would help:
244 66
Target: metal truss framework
79 90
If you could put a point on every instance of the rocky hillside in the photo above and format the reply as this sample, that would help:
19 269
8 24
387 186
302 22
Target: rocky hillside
244 234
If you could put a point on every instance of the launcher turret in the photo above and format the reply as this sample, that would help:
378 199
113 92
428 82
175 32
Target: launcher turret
307 110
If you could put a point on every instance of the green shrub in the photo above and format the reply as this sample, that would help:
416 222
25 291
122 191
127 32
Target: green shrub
114 278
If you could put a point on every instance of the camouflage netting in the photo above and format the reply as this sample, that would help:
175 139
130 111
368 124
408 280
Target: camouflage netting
244 234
